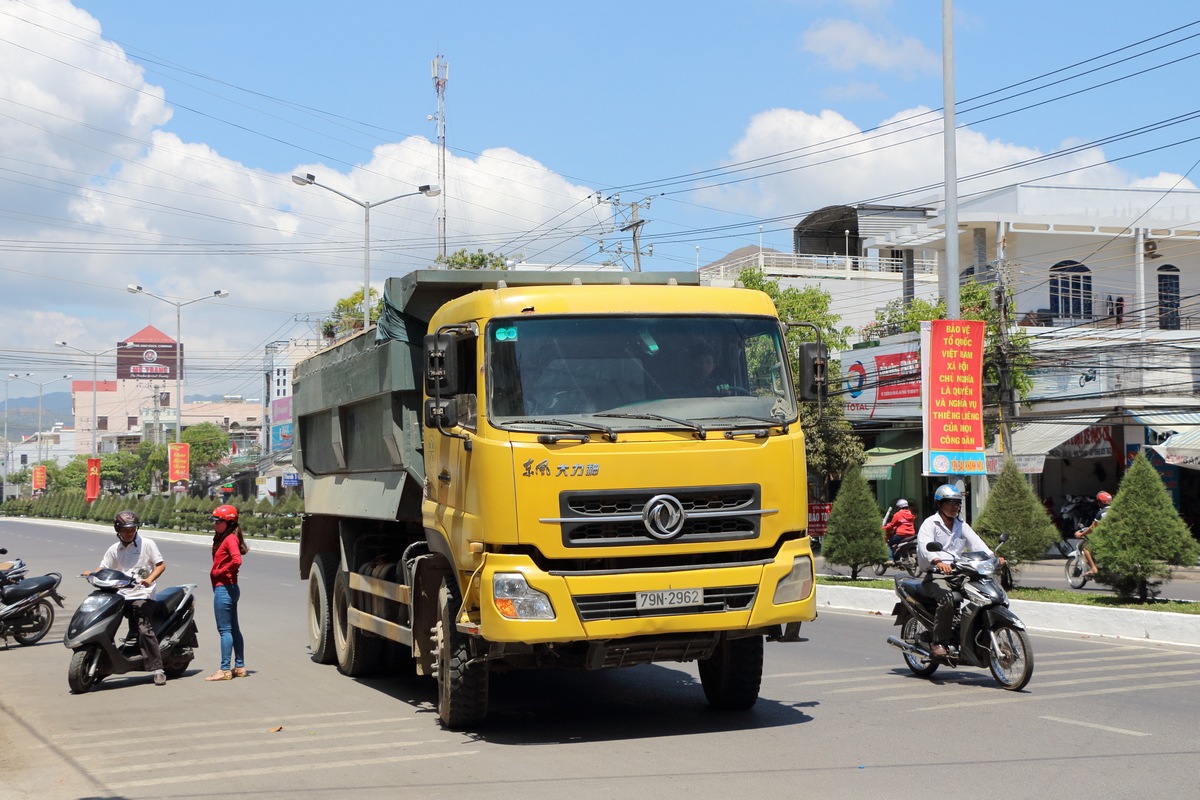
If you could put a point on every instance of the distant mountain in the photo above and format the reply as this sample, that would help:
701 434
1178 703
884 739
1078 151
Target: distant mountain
22 413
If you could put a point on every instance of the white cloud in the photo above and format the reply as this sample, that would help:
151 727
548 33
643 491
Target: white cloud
847 46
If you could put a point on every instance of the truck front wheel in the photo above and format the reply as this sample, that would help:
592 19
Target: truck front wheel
320 594
732 675
462 685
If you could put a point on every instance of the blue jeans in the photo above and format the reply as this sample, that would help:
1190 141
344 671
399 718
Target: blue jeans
225 600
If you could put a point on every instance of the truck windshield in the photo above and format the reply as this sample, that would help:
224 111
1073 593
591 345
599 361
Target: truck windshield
638 372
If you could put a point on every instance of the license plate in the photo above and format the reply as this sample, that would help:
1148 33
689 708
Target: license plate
669 598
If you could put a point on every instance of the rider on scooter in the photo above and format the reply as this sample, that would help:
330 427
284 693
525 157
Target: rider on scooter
1103 499
955 536
900 528
136 555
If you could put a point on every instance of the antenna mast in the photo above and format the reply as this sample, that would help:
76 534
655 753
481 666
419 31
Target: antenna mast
441 74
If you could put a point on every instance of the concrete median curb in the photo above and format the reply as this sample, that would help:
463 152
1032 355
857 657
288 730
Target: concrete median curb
1165 627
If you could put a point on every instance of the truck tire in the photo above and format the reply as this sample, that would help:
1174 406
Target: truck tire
320 595
462 685
358 654
732 675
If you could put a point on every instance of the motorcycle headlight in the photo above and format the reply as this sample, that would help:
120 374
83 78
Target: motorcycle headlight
516 599
91 603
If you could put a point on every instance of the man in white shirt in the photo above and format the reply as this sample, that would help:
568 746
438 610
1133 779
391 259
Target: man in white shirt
955 536
138 556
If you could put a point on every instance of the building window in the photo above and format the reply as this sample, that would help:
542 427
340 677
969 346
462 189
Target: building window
1168 297
131 423
101 423
1070 290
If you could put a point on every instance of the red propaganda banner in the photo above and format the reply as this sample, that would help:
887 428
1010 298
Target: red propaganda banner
178 461
39 477
818 518
952 352
93 480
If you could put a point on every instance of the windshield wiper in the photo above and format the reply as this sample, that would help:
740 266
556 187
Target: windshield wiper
777 422
608 432
701 433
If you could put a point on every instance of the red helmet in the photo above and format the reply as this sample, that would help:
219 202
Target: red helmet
1104 498
225 514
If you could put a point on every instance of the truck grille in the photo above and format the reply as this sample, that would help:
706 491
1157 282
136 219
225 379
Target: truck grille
710 514
623 605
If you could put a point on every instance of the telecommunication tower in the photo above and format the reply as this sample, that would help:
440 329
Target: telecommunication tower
441 74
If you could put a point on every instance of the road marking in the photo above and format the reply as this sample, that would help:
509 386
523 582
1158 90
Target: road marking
1097 727
1015 698
311 765
223 732
244 756
120 733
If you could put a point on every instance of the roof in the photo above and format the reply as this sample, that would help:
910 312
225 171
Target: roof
150 335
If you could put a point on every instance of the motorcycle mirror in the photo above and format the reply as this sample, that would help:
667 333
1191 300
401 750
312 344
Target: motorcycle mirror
933 547
1003 538
3 551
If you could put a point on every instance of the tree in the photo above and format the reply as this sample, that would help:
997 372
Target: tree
831 446
347 314
1013 508
461 259
854 537
1141 536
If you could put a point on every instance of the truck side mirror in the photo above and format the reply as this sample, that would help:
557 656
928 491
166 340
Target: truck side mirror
441 365
814 385
441 413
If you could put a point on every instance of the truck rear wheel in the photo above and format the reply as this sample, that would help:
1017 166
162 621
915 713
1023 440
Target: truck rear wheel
462 685
732 675
320 595
358 654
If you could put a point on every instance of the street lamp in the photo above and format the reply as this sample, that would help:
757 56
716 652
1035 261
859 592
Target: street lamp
95 356
219 293
429 190
12 376
40 386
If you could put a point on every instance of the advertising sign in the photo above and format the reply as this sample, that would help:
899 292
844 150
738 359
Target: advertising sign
155 360
952 388
178 461
39 477
818 518
883 382
281 436
293 479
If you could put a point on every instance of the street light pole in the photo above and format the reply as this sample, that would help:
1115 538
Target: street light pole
429 190
218 293
40 387
95 369
12 376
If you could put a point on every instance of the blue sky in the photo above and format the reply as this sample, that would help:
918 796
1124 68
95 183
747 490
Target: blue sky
152 142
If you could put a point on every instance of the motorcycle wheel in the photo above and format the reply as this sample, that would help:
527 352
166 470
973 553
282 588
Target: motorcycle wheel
879 568
37 625
1076 570
83 674
912 633
909 562
1012 667
176 666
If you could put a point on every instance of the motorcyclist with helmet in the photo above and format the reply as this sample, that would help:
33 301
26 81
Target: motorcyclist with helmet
955 536
140 557
1103 500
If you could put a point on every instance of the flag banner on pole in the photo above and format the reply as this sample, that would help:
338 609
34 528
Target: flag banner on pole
952 383
39 477
93 480
178 455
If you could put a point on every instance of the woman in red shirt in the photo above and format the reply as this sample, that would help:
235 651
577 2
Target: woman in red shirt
228 548
900 527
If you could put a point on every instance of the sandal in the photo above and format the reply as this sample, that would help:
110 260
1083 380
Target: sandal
220 675
240 672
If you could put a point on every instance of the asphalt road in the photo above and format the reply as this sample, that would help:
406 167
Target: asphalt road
840 716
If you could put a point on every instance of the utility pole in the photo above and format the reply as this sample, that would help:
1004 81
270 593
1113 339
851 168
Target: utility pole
635 227
441 74
1004 368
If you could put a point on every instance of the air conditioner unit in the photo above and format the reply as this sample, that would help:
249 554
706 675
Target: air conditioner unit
1150 249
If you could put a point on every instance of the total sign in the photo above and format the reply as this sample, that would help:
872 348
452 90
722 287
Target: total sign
884 381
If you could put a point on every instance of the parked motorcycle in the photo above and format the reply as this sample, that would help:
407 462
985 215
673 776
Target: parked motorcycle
904 556
25 610
1077 511
93 632
11 571
985 633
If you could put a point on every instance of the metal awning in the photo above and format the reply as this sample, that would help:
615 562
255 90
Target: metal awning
1165 423
1033 441
880 461
1181 449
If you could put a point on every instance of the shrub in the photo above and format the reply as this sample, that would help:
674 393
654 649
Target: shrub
854 537
1013 508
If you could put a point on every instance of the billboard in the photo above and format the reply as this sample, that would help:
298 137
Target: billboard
152 361
883 381
952 384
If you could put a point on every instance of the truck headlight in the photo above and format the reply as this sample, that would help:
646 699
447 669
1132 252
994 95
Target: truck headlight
797 584
516 599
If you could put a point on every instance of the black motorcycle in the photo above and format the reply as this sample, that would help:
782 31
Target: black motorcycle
985 632
93 632
25 610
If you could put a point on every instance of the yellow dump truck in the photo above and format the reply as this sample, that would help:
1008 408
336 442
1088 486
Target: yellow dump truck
526 469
